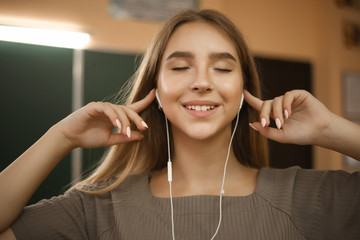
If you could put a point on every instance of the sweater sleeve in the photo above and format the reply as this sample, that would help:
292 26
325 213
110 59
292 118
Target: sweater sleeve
60 217
326 204
321 204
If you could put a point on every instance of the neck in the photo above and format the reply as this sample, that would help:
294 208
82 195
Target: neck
198 168
200 163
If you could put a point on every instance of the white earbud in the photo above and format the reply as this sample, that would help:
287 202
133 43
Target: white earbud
241 101
158 99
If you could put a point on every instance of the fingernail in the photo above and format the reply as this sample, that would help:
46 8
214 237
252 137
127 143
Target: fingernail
253 127
118 123
128 132
278 123
263 122
286 113
144 124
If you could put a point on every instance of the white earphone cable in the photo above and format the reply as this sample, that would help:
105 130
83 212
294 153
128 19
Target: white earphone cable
169 164
222 191
223 180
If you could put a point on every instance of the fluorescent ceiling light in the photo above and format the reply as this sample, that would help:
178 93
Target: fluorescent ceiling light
46 37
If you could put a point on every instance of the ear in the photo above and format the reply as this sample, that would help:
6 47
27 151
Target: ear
158 99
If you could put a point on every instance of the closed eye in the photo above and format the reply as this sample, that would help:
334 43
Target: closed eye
180 68
223 69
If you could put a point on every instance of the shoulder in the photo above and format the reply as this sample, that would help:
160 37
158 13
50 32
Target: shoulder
107 206
128 182
305 178
127 190
272 182
86 214
320 203
276 184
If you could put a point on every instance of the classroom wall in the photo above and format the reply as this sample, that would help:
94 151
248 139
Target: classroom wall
300 30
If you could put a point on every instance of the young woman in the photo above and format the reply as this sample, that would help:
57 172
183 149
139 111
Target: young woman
217 185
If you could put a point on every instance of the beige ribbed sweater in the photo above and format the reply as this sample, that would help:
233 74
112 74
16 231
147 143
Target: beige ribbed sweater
287 204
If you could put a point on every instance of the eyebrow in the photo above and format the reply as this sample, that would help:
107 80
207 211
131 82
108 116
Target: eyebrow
179 54
215 55
222 55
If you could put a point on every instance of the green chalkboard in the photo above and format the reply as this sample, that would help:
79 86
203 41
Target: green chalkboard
105 74
35 93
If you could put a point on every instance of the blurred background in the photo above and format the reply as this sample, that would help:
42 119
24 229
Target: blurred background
312 45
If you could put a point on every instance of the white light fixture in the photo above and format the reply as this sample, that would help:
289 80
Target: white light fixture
45 37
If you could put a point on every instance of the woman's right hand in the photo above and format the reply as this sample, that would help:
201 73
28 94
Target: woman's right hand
91 126
88 127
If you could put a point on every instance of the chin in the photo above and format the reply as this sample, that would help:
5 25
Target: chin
201 136
202 133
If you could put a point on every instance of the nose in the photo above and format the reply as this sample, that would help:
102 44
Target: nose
202 83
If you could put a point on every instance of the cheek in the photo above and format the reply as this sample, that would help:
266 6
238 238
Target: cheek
165 84
231 90
171 85
164 80
168 91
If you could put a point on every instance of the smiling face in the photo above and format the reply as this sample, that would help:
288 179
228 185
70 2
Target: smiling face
200 81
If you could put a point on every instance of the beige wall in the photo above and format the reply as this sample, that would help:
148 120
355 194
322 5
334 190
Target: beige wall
305 30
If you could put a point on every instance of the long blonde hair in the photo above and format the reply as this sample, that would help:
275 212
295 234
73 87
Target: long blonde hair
150 154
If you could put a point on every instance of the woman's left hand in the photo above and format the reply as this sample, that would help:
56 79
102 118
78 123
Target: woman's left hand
300 118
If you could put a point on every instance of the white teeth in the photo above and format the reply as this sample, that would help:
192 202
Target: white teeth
199 108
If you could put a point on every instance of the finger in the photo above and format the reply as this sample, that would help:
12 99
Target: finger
265 113
123 119
117 117
269 132
135 118
253 101
107 109
143 103
129 113
118 138
287 102
277 110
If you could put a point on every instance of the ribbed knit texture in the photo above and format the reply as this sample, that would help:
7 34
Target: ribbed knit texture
287 204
